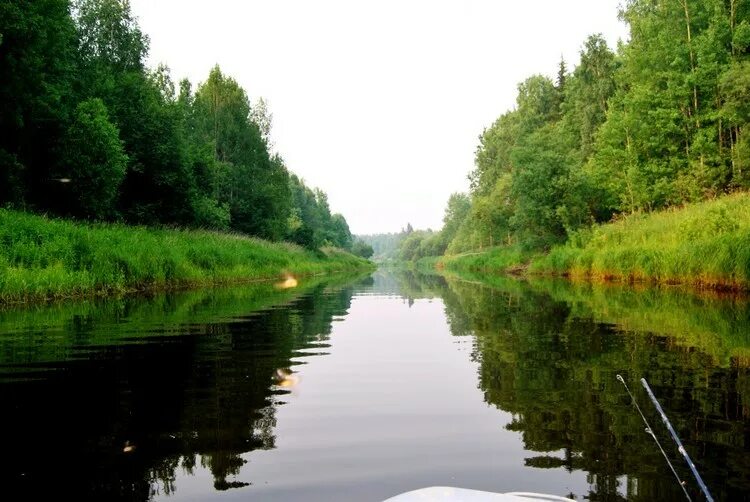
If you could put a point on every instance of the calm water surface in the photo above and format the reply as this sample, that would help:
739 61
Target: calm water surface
360 389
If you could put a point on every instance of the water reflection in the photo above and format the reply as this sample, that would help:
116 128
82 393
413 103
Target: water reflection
111 399
549 353
204 394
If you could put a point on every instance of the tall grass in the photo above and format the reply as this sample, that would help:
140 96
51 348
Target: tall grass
498 259
705 244
43 258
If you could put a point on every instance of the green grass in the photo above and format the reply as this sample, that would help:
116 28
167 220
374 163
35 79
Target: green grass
43 258
705 244
498 260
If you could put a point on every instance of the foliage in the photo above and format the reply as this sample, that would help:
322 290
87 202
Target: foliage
311 223
413 245
44 258
95 159
385 246
656 125
37 76
252 184
361 248
498 259
77 102
705 244
456 211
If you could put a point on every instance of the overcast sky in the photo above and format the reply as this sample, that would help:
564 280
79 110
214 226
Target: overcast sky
379 103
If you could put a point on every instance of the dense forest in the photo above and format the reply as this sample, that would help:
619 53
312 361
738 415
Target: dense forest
88 131
659 122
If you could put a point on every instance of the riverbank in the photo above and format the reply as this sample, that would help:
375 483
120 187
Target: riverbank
706 245
45 259
502 259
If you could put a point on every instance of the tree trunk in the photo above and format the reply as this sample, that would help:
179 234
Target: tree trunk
692 59
627 176
732 15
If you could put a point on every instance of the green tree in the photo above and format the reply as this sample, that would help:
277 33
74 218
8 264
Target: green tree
74 67
456 211
253 185
304 219
311 223
735 113
260 114
159 184
664 142
493 154
539 186
110 39
409 249
384 246
538 103
361 248
37 76
207 211
588 91
94 161
340 234
488 222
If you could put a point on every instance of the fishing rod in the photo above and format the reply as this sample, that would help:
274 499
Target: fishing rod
676 439
650 432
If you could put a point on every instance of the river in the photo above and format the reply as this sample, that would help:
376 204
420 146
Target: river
361 388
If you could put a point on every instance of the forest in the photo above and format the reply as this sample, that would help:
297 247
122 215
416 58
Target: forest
659 122
88 131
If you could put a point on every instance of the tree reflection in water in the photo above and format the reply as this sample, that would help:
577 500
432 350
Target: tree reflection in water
193 381
549 353
183 380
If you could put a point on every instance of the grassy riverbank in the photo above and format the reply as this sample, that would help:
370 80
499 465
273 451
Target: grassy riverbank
43 258
498 260
705 245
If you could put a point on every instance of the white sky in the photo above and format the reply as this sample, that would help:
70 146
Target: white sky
378 103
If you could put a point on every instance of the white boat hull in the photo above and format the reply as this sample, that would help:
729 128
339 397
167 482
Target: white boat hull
448 493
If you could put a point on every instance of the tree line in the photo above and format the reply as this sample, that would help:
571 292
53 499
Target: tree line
385 246
88 131
658 122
